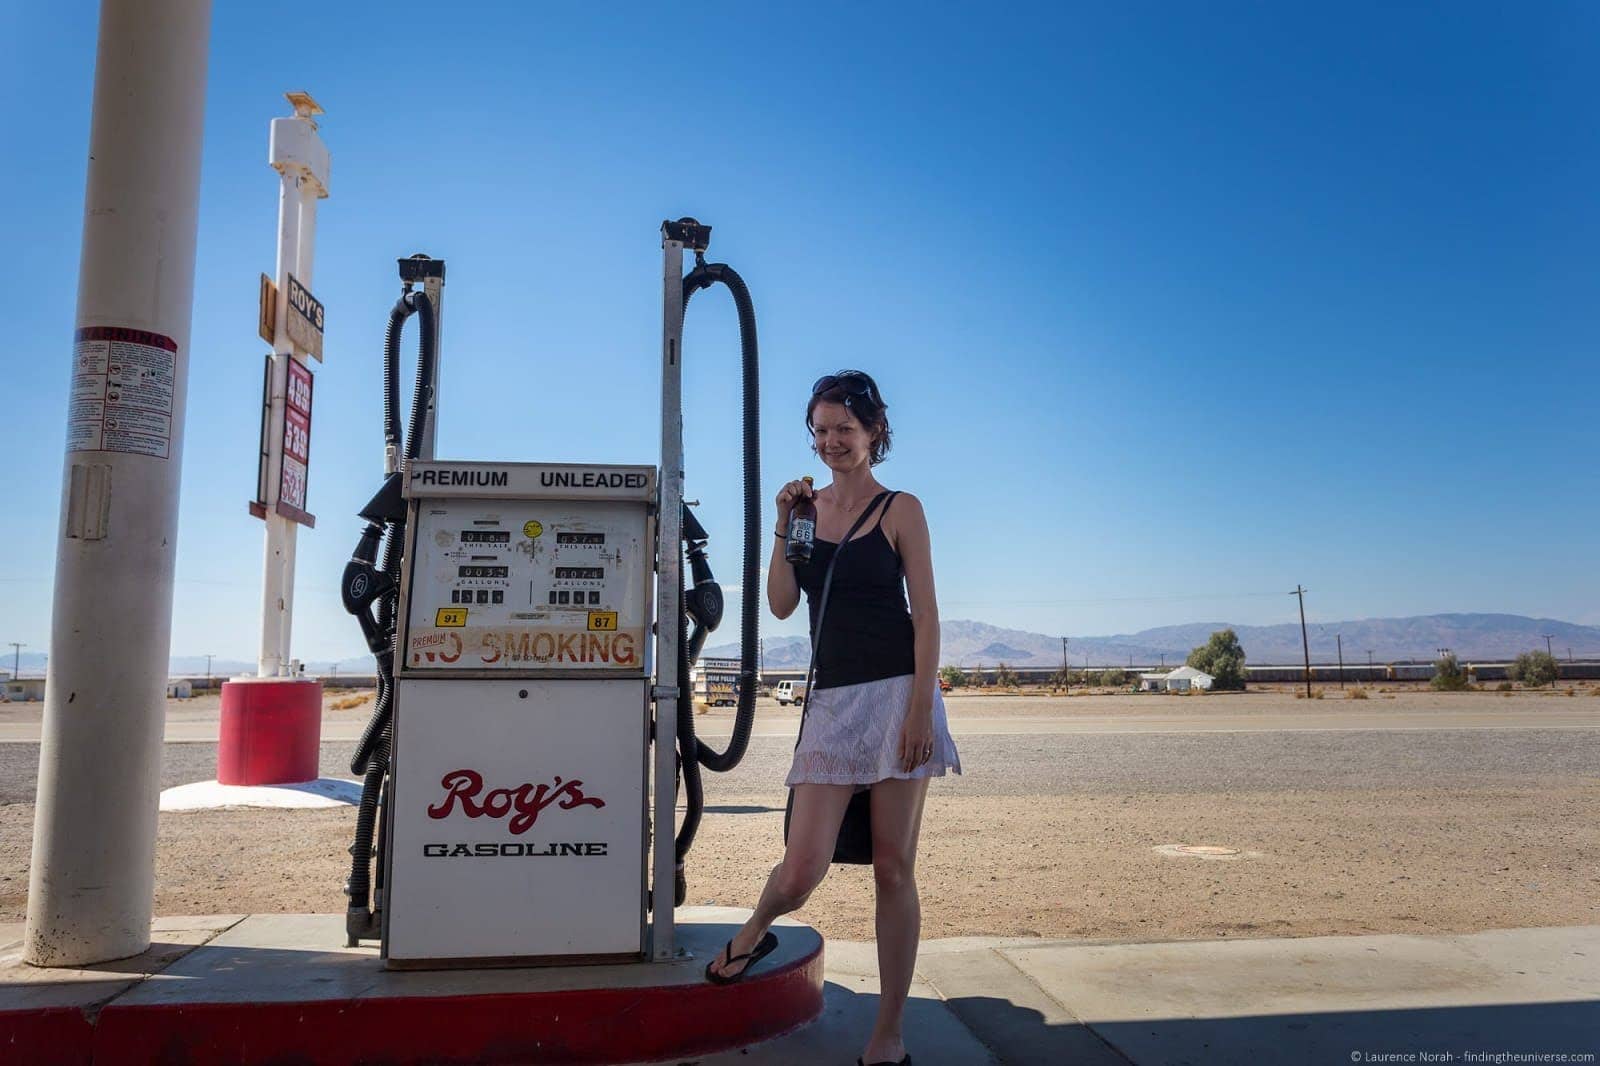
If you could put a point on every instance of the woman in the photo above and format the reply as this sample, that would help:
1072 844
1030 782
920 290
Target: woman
874 717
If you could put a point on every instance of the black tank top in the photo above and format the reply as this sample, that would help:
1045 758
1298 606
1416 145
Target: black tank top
867 634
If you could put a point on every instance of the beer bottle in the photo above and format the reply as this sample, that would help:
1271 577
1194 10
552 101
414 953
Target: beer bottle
802 528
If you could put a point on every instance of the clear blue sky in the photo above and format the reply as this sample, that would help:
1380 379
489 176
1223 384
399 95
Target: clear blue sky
1175 306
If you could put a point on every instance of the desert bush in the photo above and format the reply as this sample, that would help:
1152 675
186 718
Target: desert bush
350 702
1005 677
1112 678
1535 668
1222 658
1357 694
1068 678
1448 675
953 674
1504 686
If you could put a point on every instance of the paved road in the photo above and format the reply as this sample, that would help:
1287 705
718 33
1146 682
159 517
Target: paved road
1057 763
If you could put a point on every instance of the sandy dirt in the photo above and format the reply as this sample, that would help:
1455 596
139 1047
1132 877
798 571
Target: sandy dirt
1312 862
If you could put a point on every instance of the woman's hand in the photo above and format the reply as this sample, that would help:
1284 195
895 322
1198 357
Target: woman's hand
788 496
916 739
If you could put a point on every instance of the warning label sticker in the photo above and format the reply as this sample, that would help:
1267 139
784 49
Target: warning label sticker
122 389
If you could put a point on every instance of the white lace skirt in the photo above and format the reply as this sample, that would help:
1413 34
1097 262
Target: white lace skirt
851 735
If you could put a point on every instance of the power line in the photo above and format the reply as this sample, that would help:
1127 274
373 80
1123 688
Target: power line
1109 599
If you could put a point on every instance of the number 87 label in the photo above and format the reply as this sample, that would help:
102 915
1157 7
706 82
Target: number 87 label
602 621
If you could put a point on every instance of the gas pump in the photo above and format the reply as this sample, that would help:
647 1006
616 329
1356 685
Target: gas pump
508 771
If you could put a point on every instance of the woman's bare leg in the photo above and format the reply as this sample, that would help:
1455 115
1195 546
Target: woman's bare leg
813 829
896 823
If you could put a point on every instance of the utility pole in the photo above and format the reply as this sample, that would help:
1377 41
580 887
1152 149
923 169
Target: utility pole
1548 651
92 879
1340 638
209 657
1066 670
1305 641
16 658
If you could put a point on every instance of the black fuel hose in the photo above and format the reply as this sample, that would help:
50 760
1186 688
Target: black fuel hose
371 758
692 751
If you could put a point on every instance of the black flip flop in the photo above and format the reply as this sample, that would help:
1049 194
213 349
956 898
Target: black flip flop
768 945
903 1062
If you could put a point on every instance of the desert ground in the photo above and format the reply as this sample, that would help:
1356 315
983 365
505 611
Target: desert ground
1408 811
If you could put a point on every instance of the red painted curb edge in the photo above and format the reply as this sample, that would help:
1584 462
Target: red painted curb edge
602 1025
54 1036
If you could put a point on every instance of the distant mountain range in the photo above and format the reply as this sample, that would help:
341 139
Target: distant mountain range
1481 637
1470 636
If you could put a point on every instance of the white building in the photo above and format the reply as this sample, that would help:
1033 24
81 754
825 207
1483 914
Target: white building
1180 680
23 689
1186 677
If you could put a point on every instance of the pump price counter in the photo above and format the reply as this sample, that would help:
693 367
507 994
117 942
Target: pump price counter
518 817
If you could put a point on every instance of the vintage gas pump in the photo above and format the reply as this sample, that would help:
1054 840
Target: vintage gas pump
511 607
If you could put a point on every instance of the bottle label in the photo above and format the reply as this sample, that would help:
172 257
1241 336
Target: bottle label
802 531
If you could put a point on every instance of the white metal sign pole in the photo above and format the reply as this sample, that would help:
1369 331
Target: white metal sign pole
300 158
92 883
669 601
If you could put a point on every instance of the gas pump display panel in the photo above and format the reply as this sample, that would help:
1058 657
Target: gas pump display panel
500 585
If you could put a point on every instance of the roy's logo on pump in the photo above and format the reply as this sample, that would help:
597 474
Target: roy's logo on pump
522 805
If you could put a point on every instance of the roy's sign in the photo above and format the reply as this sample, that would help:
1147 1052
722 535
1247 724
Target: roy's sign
303 320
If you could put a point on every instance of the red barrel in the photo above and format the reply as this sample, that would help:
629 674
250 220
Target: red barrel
271 731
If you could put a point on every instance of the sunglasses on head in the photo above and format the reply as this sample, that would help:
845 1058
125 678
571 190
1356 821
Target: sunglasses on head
851 383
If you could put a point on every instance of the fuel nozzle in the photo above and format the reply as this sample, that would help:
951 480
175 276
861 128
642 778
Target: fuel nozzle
363 583
704 600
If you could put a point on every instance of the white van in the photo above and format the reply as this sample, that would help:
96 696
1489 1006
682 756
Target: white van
791 692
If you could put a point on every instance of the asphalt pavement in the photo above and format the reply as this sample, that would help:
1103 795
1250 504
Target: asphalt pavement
1059 764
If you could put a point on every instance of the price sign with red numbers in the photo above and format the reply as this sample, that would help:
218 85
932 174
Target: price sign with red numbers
296 444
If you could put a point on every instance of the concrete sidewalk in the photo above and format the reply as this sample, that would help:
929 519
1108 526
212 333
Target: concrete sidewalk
1295 1000
1298 1000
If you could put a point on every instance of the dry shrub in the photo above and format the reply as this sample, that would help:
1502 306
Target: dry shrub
1357 694
1506 693
1505 686
351 702
1572 692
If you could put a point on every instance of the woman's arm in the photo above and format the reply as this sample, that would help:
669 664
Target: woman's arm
783 590
910 530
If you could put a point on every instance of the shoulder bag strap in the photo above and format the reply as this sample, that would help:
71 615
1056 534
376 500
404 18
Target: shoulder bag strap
822 605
